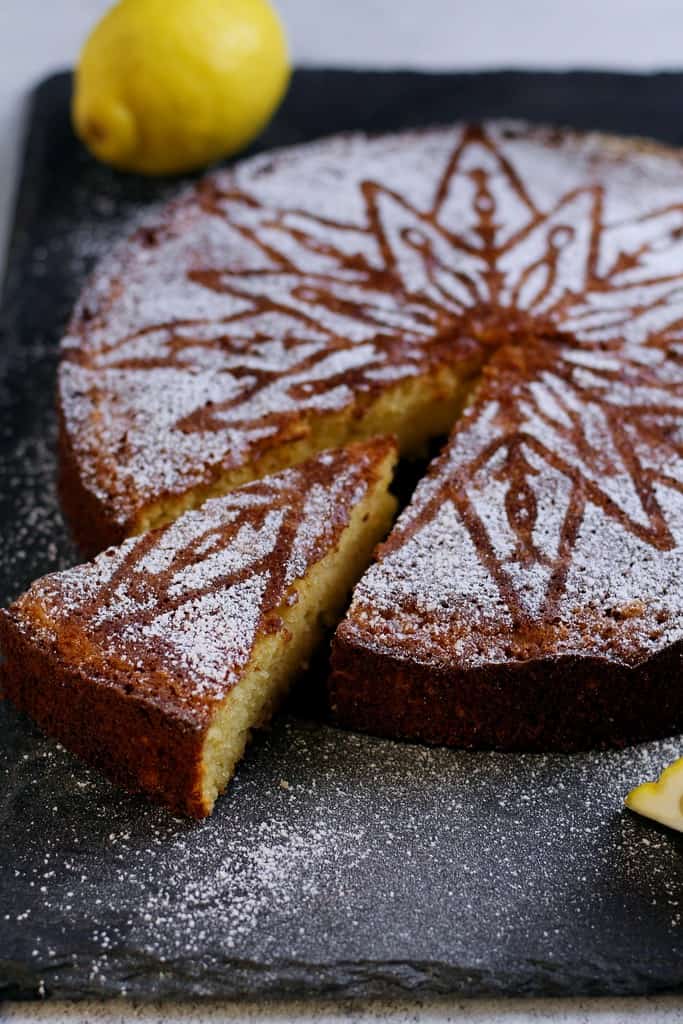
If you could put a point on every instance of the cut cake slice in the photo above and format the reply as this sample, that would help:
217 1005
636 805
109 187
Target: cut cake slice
155 661
529 597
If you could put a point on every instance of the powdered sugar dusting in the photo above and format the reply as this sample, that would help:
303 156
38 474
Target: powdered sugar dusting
296 283
556 503
189 601
360 866
209 637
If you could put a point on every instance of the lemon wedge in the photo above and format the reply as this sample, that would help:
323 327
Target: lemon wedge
661 800
167 86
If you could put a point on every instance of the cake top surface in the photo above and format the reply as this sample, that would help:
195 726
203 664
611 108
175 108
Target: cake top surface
551 525
300 281
172 616
297 282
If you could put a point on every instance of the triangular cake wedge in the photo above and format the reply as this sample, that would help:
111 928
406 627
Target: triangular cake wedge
530 595
154 661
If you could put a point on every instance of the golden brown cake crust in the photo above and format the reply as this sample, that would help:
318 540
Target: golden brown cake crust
568 703
530 594
546 263
139 744
92 529
125 659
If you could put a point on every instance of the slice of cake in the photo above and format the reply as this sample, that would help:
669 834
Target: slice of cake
530 595
156 660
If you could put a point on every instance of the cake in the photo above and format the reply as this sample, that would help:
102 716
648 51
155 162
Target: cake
522 602
523 283
156 660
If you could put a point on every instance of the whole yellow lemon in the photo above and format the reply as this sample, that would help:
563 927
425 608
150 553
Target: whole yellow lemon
166 86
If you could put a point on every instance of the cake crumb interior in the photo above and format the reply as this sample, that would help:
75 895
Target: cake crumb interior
309 607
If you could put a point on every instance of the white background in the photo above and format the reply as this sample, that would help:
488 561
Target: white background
39 36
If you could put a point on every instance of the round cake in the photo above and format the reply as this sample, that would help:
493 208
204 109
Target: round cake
522 283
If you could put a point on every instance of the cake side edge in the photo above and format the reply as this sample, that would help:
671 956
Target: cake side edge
137 744
560 704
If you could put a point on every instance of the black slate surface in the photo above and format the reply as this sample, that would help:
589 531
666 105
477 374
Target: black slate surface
338 864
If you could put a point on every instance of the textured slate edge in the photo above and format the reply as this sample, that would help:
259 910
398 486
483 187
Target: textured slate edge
282 979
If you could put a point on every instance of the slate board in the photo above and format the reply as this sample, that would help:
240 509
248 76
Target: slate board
338 864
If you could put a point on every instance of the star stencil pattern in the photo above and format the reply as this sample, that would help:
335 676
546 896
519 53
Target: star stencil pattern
571 300
592 389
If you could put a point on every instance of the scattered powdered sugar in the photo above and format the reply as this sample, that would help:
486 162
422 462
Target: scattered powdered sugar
49 262
280 864
379 866
35 539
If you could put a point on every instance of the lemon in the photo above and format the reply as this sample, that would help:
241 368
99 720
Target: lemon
661 800
165 86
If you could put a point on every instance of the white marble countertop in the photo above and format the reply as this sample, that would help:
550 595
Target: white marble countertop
40 36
